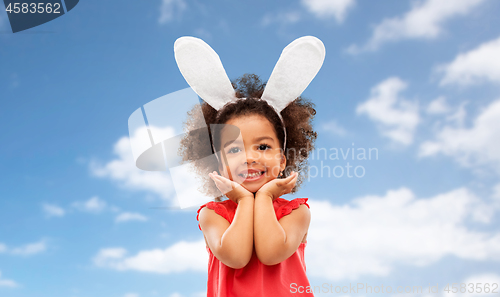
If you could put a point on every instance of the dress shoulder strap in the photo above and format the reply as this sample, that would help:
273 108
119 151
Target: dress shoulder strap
223 208
286 209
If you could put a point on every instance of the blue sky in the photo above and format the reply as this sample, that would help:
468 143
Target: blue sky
419 81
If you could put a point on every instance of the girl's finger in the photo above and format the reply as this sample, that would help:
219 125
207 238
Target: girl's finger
219 187
223 187
226 182
291 185
291 179
218 177
218 180
222 177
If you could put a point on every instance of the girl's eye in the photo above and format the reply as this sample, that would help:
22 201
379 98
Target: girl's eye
236 149
233 150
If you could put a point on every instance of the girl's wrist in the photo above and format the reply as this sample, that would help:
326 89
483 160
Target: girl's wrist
244 198
264 195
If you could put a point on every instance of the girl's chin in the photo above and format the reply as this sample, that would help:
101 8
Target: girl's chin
252 188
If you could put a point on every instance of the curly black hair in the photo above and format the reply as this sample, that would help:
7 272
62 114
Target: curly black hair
297 117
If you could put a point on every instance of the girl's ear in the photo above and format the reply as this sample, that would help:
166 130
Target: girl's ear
283 162
222 168
225 171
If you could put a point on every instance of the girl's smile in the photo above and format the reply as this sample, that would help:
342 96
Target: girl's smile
252 175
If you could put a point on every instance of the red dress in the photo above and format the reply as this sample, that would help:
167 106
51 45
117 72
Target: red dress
257 279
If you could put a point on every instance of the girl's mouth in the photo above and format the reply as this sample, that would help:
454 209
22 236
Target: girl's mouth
252 176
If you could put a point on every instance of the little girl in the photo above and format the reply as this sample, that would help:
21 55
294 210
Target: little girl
255 238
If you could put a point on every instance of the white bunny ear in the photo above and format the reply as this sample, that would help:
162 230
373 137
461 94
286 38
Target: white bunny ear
298 64
201 67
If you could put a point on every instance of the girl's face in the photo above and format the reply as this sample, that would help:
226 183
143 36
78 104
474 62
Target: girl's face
255 157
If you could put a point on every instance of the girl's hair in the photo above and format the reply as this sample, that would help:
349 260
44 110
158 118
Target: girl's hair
297 117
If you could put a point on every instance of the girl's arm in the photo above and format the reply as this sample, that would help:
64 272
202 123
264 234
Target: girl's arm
275 240
231 243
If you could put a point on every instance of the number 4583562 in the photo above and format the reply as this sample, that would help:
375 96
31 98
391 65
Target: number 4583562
472 288
33 8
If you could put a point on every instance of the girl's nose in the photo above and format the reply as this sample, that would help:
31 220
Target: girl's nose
251 156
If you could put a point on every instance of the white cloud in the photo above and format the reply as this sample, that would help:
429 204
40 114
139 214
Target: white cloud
123 170
52 210
203 33
93 205
480 279
130 216
486 278
396 117
478 145
108 254
29 249
458 117
373 234
170 9
496 193
282 18
423 21
25 250
478 65
131 295
114 208
7 282
320 8
438 106
334 128
180 257
328 8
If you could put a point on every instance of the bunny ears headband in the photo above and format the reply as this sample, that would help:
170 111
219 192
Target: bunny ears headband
202 68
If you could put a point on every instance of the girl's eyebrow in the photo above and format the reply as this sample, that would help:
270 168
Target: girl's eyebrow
263 137
232 142
255 140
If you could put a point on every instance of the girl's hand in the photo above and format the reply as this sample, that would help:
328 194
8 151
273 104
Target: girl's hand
231 189
278 187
